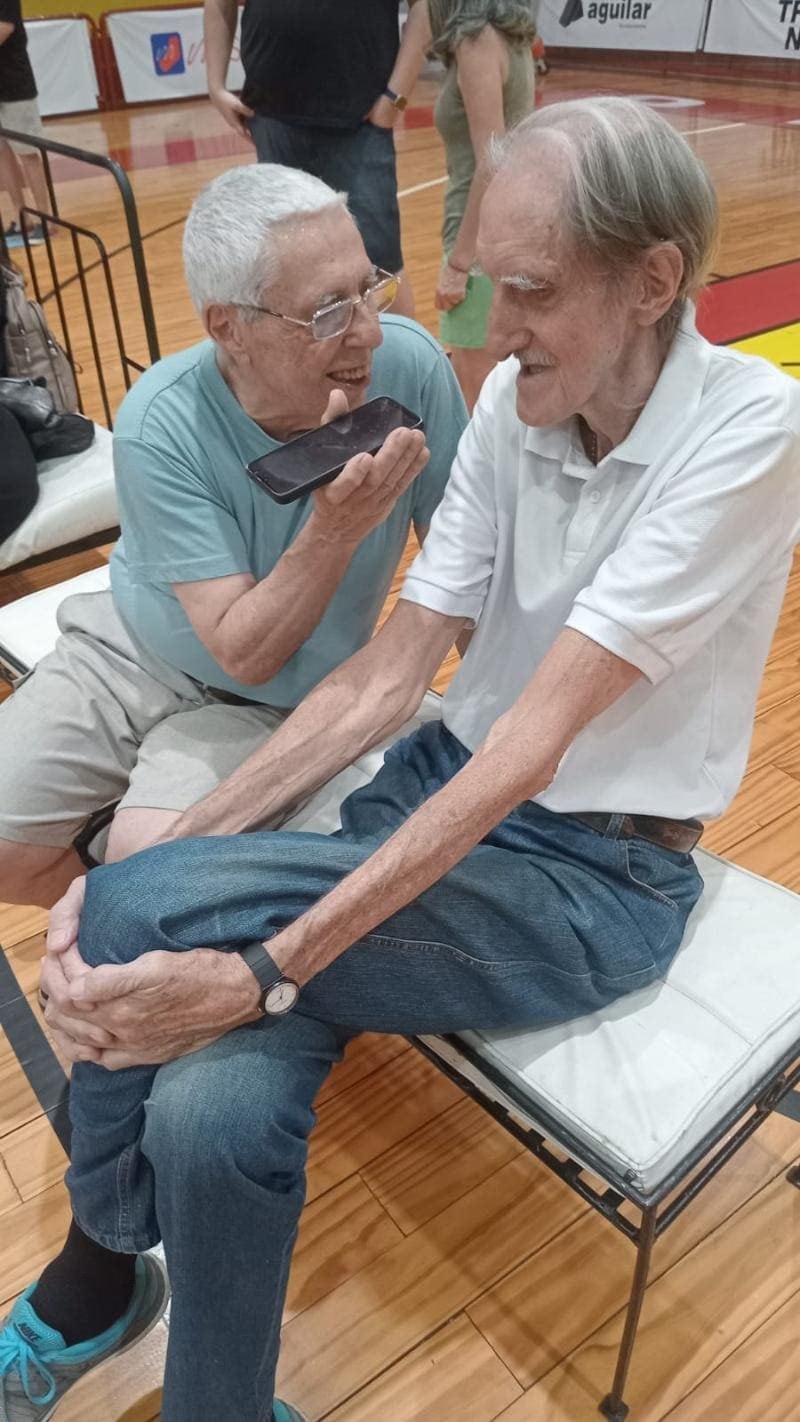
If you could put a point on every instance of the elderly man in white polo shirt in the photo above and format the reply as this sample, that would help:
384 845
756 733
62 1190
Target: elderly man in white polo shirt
617 532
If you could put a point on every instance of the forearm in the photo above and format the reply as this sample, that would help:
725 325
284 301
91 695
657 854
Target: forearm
266 625
576 681
359 704
410 55
434 839
462 253
219 29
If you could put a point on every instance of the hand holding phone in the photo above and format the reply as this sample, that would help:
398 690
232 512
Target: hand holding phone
368 488
358 464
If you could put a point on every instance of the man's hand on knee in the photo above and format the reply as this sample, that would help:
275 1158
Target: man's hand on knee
159 1007
65 917
80 1040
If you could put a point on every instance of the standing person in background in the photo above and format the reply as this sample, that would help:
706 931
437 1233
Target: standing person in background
489 86
324 83
20 165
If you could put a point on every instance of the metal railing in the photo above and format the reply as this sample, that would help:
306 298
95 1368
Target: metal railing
79 235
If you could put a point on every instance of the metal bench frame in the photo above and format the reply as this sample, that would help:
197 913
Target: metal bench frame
573 1162
31 216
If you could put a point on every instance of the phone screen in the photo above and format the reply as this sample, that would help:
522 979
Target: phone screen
319 455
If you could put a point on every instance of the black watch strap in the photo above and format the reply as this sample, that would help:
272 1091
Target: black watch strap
259 962
278 992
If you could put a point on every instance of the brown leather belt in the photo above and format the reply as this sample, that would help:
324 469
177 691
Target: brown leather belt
678 835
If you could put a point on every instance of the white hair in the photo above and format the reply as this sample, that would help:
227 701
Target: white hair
634 182
229 249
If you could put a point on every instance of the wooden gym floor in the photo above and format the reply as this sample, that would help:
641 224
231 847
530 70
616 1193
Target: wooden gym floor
442 1275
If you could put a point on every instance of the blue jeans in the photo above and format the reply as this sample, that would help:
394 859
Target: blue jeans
360 162
545 920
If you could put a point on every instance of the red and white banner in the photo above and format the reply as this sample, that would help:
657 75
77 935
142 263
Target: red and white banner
160 54
63 66
664 25
758 27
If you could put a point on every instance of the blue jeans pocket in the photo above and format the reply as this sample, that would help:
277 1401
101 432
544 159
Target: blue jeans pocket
646 870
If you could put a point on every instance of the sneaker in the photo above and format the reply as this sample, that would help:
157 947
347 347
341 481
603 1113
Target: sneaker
14 236
282 1412
36 1368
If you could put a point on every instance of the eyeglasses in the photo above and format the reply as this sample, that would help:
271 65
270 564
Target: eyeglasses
334 320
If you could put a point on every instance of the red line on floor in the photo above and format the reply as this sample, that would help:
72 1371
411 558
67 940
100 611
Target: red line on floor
757 301
228 144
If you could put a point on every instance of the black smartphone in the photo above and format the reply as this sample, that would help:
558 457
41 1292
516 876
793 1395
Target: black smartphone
317 456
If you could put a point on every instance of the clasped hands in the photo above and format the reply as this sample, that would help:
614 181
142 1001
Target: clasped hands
159 1007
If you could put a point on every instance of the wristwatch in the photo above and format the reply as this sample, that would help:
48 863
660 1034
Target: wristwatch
278 993
399 100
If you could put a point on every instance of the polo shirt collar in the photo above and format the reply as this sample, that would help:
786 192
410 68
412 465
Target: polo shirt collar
675 397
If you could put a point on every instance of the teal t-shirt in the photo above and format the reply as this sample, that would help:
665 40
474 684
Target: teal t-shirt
188 511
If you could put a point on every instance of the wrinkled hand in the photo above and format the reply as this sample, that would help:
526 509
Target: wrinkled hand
366 491
234 112
65 917
451 288
160 1007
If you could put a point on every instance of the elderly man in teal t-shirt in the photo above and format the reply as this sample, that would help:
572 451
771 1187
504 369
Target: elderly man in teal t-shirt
226 608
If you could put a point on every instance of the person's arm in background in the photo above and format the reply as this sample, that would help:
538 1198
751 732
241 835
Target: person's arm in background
415 41
219 29
482 63
6 31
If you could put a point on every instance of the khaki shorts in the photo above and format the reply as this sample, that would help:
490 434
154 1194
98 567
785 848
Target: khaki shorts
24 116
100 720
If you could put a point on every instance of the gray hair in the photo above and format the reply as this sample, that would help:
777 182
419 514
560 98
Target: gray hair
634 183
230 252
455 20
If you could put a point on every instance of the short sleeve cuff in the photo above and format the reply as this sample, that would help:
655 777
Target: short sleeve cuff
621 641
186 570
444 600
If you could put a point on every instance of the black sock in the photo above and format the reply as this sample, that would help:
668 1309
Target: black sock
85 1289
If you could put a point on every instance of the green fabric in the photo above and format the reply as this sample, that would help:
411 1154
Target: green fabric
451 120
455 20
465 325
188 510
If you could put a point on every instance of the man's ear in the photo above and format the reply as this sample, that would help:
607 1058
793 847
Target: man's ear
661 271
223 326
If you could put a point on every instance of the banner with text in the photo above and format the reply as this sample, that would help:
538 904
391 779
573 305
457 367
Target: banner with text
61 56
160 54
760 27
667 25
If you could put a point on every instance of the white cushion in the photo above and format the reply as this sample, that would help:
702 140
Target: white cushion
643 1082
76 499
28 628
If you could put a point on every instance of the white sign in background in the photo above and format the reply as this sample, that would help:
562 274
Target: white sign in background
160 54
761 27
668 25
63 66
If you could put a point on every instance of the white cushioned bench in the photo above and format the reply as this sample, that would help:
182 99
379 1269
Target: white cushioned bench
28 628
76 500
643 1093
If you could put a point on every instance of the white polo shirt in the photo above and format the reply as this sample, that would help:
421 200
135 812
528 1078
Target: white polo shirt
673 553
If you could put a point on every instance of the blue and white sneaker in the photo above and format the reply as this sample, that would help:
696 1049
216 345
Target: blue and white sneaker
37 1369
14 238
282 1412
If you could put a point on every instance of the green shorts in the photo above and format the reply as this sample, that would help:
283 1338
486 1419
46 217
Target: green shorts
466 324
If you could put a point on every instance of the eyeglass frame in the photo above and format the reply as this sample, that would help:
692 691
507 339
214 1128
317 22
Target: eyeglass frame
382 279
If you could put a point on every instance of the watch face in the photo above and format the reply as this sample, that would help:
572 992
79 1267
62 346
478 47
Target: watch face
281 997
